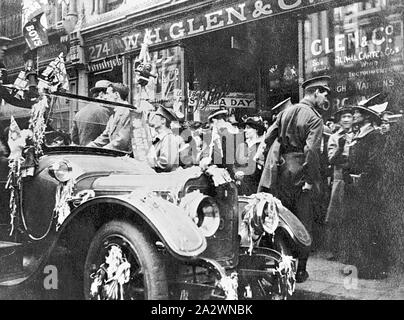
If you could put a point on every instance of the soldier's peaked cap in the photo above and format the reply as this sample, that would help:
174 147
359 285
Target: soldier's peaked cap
166 113
320 81
5 40
282 105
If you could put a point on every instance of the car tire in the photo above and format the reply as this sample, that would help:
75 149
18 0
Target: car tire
140 252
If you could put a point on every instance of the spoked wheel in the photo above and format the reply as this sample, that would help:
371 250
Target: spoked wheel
123 264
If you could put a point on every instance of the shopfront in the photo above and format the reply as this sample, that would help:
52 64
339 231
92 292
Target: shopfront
361 47
249 55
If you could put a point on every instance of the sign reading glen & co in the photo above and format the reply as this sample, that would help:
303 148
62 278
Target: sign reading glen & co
222 17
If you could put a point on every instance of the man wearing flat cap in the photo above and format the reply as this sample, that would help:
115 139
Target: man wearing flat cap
164 153
90 122
298 130
117 134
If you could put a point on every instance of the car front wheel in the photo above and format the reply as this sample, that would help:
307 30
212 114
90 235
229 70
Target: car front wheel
123 264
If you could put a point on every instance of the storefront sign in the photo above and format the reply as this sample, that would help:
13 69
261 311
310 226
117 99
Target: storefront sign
364 59
219 18
230 100
365 45
105 65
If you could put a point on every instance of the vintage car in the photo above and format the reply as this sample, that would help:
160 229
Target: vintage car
116 229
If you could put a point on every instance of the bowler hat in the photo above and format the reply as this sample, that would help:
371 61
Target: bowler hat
282 105
166 113
215 113
5 40
100 85
320 81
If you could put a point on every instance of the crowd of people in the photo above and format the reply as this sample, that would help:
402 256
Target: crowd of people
315 168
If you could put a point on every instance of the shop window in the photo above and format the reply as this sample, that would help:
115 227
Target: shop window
112 4
102 6
361 47
165 88
57 10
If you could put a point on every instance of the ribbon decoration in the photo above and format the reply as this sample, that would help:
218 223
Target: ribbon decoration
37 124
64 192
17 140
109 279
261 215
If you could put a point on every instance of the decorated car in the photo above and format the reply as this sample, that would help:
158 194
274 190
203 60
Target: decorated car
116 229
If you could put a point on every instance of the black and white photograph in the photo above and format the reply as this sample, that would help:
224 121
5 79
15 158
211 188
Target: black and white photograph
203 150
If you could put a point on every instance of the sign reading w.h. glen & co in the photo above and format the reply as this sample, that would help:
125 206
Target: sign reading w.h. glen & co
192 25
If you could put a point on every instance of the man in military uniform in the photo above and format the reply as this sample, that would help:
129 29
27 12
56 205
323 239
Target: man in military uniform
164 153
299 131
268 181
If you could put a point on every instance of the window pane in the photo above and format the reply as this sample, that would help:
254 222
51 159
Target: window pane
361 47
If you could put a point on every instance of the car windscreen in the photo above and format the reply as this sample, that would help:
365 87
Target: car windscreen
91 123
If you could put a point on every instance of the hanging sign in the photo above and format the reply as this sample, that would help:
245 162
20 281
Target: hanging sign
35 33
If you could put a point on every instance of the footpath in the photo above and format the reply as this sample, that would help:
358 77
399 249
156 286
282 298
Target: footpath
330 280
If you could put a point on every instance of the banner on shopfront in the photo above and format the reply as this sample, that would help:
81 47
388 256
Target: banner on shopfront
230 100
365 59
192 25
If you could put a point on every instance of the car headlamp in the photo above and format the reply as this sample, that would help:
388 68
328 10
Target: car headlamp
203 210
61 171
263 213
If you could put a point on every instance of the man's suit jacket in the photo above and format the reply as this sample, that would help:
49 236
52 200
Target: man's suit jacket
89 123
117 134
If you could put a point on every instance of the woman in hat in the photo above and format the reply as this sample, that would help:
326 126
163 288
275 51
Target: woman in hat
337 151
363 241
247 170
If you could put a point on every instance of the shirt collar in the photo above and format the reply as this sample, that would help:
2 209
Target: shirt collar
308 103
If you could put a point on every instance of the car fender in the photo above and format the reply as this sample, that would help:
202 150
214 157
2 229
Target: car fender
171 223
294 227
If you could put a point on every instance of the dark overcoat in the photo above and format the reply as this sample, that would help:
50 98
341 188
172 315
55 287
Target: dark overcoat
364 242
